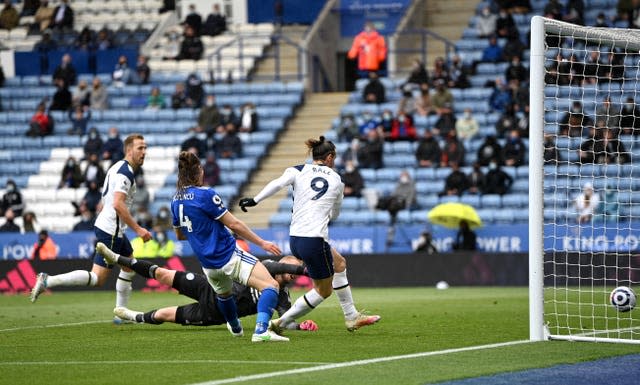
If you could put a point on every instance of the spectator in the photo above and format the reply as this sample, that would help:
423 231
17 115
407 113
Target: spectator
574 121
167 5
456 182
163 219
501 97
179 97
350 154
386 122
440 71
609 208
613 150
144 217
29 223
458 73
216 22
505 25
514 150
230 145
122 73
594 68
624 12
104 40
403 196
82 96
9 225
516 70
467 128
71 175
446 123
574 12
113 149
551 153
93 144
418 76
79 118
61 100
86 40
630 117
452 151
591 145
428 152
62 17
43 16
142 197
586 203
601 21
44 248
402 128
486 22
553 9
369 122
93 172
93 196
370 49
44 46
196 141
227 115
347 128
608 114
489 150
442 97
160 246
142 72
209 116
352 179
425 243
211 170
513 48
492 53
155 101
423 103
374 91
191 47
371 151
465 238
193 20
248 121
476 180
497 181
99 96
87 218
9 16
194 91
41 123
12 199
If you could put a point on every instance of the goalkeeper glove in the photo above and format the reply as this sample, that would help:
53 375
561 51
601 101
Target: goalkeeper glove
309 325
246 202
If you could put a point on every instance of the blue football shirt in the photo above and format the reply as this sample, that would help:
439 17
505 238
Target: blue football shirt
196 212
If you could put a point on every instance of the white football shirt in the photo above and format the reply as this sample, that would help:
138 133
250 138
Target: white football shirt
317 197
119 178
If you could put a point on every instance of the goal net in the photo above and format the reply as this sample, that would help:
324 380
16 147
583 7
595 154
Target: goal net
584 186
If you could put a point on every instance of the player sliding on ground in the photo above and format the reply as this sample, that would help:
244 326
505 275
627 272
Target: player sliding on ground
205 312
317 198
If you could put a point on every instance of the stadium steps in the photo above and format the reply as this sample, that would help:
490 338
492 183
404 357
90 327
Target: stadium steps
265 68
312 119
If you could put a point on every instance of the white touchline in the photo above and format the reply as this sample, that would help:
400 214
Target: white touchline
161 362
52 326
358 363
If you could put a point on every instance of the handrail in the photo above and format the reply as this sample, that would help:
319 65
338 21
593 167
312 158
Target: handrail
423 50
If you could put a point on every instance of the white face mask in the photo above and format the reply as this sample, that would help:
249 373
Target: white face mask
404 179
349 169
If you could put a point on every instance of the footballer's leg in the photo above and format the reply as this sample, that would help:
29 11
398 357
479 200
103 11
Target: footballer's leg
353 318
96 277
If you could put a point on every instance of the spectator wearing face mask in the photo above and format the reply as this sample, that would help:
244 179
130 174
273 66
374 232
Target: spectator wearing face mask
209 116
79 118
9 226
122 73
71 175
467 128
402 128
160 246
12 199
94 144
497 181
352 179
87 218
227 115
113 149
248 118
163 219
196 141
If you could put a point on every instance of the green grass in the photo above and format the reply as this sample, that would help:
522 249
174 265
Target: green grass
36 349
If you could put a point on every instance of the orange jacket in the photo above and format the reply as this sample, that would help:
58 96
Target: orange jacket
49 250
370 49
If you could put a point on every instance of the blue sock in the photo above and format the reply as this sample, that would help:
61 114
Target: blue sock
227 306
266 303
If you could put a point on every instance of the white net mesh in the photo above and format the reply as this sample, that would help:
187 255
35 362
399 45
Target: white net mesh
591 180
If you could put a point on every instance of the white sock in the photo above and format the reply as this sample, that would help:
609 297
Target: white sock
302 306
73 278
343 291
123 288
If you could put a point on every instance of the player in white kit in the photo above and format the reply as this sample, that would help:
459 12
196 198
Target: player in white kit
317 198
117 195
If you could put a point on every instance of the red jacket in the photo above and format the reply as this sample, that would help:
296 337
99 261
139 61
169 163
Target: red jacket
370 49
404 130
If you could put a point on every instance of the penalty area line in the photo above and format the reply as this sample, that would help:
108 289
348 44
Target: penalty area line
323 367
52 326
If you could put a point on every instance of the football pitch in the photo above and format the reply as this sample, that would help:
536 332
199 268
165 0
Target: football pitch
425 336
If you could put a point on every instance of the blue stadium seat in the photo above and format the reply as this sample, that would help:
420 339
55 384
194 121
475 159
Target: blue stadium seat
491 201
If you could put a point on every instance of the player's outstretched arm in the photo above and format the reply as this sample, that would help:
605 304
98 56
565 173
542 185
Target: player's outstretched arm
123 212
240 228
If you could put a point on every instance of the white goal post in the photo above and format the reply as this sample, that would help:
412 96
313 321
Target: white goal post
584 135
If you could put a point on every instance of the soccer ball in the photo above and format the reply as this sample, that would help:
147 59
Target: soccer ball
623 298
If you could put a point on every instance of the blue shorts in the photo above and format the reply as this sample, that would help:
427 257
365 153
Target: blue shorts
120 246
316 254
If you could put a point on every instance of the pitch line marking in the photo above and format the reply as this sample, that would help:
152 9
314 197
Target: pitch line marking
358 363
154 362
52 326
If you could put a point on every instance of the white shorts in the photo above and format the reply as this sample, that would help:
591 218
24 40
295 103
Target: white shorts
238 269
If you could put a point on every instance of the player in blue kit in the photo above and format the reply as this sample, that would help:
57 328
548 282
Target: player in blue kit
317 199
200 217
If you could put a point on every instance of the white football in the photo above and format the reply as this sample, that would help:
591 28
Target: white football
623 298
